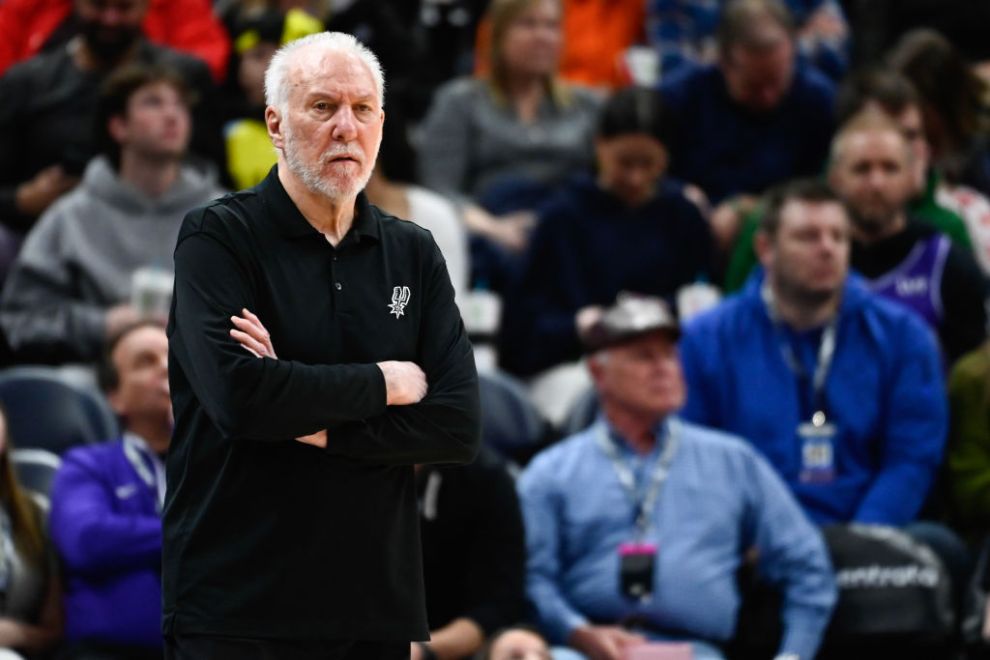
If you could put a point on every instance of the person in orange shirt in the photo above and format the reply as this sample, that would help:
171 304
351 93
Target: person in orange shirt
190 26
597 34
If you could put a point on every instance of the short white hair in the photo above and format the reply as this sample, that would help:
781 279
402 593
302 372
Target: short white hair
277 75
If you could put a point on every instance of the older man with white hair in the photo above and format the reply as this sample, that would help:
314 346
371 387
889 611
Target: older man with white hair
637 526
290 523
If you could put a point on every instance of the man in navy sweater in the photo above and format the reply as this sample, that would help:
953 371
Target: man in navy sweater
757 117
106 509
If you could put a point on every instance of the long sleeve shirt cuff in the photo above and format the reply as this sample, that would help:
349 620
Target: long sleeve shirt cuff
802 638
562 626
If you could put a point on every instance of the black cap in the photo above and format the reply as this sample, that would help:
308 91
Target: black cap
632 316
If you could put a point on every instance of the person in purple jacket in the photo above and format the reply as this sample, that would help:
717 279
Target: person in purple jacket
106 509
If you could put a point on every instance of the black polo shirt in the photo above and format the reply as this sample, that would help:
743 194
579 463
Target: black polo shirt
266 537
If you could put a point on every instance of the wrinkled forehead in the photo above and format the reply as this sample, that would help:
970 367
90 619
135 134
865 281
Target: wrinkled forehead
330 72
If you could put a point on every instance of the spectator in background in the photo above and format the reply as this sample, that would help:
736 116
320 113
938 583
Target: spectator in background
72 284
953 104
189 26
757 117
506 140
46 118
840 389
30 611
516 643
474 555
806 347
903 259
889 92
959 211
598 506
256 37
625 228
392 188
597 36
684 32
969 441
106 509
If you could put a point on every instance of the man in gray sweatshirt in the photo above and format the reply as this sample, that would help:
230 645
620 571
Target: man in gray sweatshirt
73 283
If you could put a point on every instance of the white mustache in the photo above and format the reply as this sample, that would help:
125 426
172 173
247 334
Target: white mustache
338 152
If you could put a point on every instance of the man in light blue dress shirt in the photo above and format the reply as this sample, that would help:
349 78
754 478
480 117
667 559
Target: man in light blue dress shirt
636 527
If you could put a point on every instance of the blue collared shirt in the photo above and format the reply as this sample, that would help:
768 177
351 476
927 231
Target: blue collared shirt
719 499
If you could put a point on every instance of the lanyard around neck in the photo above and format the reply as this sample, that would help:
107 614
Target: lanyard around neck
826 352
139 456
644 504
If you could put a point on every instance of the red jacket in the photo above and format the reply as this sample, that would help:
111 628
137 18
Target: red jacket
186 25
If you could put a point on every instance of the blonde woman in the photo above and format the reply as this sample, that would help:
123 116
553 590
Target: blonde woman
520 128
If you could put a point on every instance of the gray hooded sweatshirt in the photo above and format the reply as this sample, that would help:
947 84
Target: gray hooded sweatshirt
79 260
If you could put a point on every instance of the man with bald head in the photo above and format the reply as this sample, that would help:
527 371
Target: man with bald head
904 259
290 522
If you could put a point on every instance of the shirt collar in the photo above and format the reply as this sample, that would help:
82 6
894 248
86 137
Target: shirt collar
659 433
291 223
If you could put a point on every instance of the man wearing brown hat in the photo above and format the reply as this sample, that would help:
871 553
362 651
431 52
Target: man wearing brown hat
637 526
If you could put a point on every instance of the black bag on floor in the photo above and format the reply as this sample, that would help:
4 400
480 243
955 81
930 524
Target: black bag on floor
892 590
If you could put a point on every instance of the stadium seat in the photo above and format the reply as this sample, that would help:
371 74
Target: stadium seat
35 469
510 424
581 414
47 411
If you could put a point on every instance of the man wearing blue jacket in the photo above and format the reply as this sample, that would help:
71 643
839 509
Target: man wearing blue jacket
106 510
842 391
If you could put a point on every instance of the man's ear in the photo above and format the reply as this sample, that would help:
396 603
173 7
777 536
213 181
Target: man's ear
273 121
763 245
117 128
113 398
595 367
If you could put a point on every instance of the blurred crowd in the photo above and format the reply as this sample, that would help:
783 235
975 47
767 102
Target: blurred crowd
725 267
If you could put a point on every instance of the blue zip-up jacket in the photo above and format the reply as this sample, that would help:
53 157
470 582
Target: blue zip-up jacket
884 392
108 532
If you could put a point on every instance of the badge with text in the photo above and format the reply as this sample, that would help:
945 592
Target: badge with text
817 439
637 563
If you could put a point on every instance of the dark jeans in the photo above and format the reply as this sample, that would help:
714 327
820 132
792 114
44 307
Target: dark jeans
195 647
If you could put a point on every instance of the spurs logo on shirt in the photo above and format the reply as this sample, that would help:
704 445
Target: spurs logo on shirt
400 298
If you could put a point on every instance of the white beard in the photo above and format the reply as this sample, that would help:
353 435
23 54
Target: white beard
341 187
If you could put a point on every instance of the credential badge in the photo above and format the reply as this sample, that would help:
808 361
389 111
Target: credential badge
400 298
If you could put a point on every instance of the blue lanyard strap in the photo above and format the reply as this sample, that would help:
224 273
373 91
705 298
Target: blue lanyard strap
645 504
826 352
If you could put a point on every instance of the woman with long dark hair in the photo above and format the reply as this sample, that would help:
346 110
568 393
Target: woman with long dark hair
30 614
